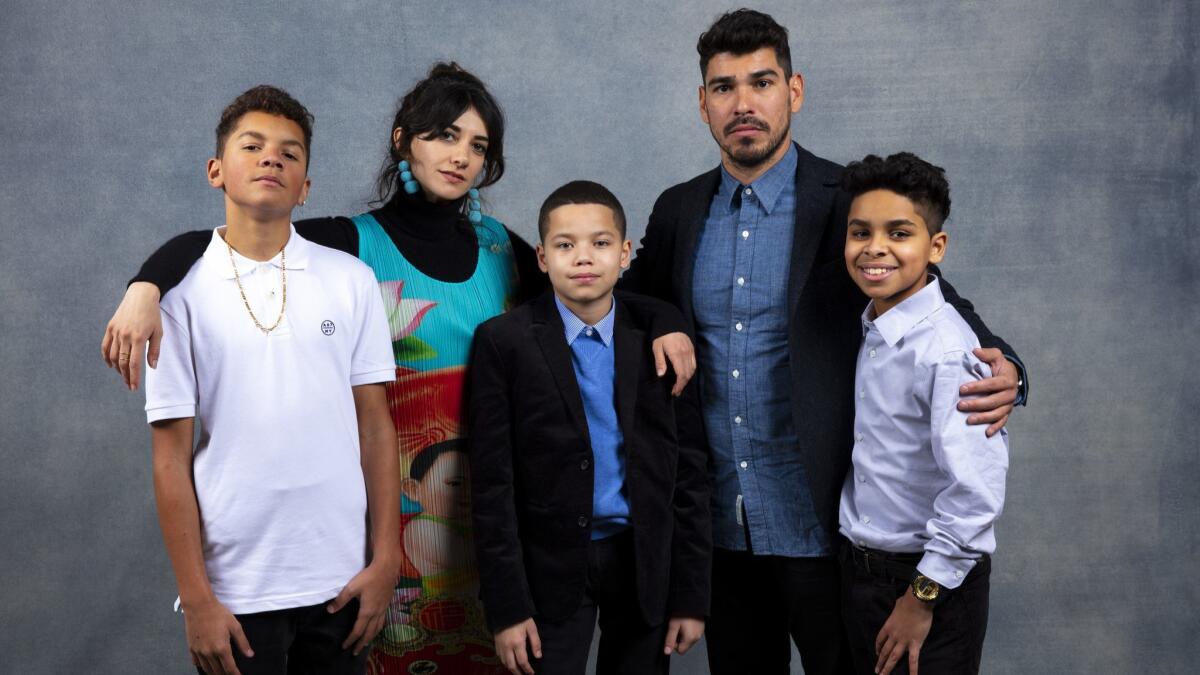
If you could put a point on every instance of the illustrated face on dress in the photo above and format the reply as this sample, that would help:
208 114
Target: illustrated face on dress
447 163
263 166
889 247
443 490
747 103
584 253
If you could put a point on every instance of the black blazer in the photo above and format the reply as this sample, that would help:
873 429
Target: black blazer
825 306
532 476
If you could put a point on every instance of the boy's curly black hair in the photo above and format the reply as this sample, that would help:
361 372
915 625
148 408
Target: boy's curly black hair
907 175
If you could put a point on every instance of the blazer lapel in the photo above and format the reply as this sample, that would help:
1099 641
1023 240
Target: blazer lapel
812 206
692 214
627 359
548 331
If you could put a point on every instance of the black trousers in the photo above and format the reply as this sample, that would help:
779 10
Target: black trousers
759 602
627 644
300 641
955 641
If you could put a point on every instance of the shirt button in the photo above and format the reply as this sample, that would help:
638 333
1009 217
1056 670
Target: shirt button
748 191
738 325
858 437
958 574
737 420
583 521
583 466
862 543
866 520
872 353
744 464
862 393
736 373
588 331
741 281
745 234
862 478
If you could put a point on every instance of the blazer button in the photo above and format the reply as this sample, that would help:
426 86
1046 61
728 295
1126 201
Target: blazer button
583 466
583 521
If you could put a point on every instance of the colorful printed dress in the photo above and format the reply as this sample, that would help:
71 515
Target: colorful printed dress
435 622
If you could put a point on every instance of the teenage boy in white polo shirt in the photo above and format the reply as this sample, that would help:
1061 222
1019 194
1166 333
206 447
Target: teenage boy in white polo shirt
279 348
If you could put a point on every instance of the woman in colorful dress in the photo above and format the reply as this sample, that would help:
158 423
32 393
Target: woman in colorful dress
443 267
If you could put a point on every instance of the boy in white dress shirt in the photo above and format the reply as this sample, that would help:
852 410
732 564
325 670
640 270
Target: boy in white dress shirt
281 520
918 506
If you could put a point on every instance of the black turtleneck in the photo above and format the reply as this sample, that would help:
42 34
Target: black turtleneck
435 238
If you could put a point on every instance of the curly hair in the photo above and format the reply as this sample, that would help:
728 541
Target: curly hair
270 100
904 173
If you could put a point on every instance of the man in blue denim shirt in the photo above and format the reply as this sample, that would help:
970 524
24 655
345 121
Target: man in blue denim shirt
751 252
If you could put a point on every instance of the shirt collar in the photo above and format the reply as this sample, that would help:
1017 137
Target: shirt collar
768 187
573 325
895 323
296 251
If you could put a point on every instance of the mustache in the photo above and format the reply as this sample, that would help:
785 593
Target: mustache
747 120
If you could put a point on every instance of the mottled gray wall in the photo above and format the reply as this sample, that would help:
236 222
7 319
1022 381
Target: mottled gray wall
1068 129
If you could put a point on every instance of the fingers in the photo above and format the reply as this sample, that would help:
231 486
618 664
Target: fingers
672 640
997 426
535 641
228 667
522 659
914 653
155 343
105 345
884 653
239 639
660 357
356 634
684 362
135 371
892 659
689 640
370 630
990 414
335 605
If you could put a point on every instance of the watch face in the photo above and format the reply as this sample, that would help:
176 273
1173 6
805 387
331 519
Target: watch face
925 589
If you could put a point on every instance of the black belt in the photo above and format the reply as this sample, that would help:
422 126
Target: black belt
882 564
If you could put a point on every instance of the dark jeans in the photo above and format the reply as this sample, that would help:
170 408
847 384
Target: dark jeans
955 641
760 601
300 641
627 644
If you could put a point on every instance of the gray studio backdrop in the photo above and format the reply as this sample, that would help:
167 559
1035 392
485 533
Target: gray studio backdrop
1068 129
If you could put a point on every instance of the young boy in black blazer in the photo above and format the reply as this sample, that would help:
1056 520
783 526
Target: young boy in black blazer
589 481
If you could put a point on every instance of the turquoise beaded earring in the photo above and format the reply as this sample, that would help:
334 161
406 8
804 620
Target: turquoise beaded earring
410 184
474 214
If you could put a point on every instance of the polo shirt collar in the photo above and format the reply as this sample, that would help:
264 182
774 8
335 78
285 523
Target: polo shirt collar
296 249
895 323
573 325
768 187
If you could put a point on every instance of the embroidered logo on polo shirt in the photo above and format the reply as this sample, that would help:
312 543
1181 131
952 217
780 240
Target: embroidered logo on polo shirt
327 327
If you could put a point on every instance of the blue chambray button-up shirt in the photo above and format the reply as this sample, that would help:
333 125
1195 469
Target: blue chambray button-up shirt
761 501
922 478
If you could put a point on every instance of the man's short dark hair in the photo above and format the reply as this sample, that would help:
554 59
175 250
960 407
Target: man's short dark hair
907 175
267 99
741 32
581 192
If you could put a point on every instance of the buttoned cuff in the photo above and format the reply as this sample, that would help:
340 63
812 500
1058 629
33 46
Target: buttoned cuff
1022 380
948 572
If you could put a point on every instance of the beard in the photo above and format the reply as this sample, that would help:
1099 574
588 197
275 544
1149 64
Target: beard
746 153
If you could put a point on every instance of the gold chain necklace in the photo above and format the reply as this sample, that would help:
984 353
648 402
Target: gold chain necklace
283 282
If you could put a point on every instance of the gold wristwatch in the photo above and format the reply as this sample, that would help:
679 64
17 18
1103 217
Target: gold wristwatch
925 589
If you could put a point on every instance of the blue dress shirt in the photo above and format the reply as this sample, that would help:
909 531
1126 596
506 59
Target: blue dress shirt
761 500
922 478
595 371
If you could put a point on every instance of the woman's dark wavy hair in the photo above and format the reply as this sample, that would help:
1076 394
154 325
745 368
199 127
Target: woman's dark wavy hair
432 106
907 175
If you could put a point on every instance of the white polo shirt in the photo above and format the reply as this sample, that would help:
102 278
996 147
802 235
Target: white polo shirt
283 503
